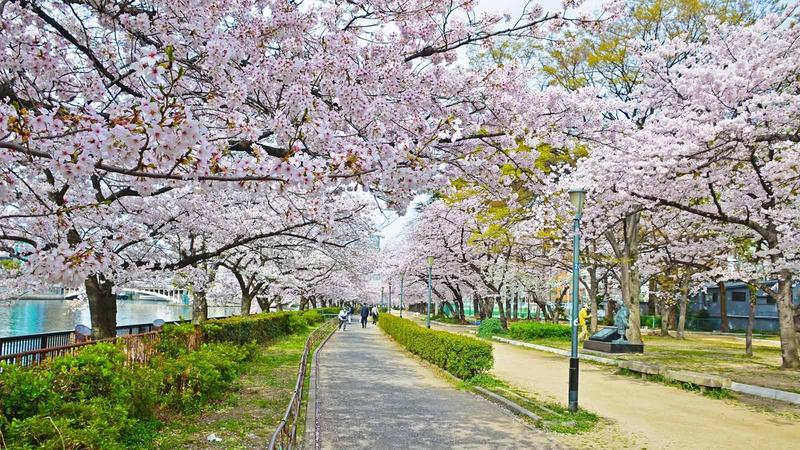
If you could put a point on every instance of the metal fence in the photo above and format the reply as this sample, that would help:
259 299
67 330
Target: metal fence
285 436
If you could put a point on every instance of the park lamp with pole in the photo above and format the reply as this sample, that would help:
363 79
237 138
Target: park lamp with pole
389 310
577 198
429 260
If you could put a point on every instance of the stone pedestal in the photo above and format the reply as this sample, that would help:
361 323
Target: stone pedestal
610 347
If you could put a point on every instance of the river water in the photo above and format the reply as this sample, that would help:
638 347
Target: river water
42 316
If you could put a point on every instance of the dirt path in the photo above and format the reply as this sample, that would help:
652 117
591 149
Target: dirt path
654 416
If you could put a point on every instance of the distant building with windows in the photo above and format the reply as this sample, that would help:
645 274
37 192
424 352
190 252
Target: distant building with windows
738 303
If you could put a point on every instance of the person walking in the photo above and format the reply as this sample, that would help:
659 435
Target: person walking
364 315
349 314
343 319
374 315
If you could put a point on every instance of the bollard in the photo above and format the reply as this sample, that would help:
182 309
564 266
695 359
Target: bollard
158 325
82 333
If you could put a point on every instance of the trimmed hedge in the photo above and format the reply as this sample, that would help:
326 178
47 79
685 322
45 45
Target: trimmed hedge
538 330
462 356
490 327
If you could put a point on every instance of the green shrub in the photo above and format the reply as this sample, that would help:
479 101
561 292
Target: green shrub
313 317
462 356
651 321
297 323
92 424
93 400
329 310
25 392
262 328
538 330
95 371
490 327
203 375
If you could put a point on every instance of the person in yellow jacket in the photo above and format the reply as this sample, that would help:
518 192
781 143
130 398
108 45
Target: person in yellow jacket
582 316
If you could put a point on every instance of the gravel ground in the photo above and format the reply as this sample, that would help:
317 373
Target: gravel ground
375 396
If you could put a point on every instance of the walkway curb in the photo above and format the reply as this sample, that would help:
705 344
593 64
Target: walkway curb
515 408
749 389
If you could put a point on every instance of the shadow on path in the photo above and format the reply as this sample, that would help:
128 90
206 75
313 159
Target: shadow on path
374 396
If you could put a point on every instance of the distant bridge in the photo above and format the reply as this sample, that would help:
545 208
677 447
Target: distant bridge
172 295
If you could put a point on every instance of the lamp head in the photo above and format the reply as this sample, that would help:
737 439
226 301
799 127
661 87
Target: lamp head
429 260
577 197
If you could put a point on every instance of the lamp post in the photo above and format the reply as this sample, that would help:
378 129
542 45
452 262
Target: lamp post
380 304
402 276
389 310
429 260
576 197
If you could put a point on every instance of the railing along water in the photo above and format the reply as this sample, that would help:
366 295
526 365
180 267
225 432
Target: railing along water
138 349
33 343
285 436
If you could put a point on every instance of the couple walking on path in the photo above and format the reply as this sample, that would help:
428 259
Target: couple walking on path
345 313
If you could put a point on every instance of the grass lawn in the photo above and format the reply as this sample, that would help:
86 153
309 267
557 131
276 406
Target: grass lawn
713 354
250 413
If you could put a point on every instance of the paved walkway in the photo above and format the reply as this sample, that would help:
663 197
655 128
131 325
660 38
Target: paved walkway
374 396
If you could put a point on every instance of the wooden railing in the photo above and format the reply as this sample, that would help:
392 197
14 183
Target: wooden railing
14 345
285 436
138 349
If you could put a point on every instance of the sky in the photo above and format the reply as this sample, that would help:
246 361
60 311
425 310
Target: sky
392 224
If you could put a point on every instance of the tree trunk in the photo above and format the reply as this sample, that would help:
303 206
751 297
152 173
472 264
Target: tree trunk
508 308
199 307
786 311
652 287
751 320
723 307
594 287
503 317
102 306
247 301
303 303
683 304
516 306
665 316
528 304
264 302
626 252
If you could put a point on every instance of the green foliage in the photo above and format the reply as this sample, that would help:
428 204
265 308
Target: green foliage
490 327
261 328
462 356
650 320
313 317
202 376
537 330
93 400
329 310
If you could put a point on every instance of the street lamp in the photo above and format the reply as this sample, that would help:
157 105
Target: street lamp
429 259
402 276
390 299
577 198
